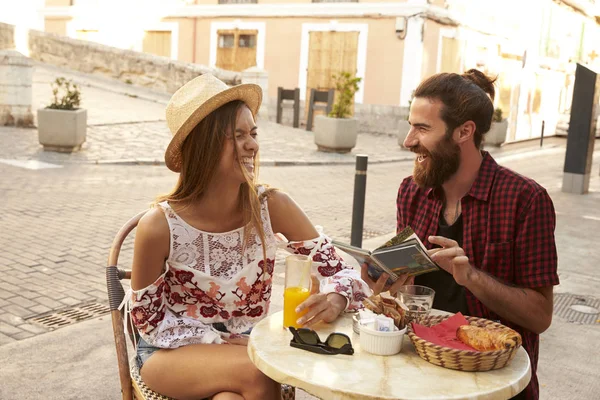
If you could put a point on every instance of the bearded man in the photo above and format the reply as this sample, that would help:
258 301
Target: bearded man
489 228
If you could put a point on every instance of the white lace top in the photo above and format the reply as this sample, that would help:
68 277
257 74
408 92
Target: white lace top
209 279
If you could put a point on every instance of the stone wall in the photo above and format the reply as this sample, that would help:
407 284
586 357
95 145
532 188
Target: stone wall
372 118
7 36
159 73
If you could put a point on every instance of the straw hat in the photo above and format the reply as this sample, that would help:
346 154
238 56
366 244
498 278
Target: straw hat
194 101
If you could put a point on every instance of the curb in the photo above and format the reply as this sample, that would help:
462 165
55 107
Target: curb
294 163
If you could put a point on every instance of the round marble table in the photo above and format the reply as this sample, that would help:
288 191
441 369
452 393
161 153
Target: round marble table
367 376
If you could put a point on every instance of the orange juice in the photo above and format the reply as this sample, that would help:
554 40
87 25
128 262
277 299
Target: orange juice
292 298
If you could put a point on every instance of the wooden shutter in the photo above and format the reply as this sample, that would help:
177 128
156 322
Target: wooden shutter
329 53
236 49
157 43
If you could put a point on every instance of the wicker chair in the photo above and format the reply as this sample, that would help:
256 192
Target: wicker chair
132 386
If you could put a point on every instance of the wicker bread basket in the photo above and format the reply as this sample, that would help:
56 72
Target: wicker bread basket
462 360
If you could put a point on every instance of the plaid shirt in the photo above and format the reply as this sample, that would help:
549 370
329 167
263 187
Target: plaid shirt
508 232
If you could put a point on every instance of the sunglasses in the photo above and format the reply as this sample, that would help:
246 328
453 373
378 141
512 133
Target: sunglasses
307 339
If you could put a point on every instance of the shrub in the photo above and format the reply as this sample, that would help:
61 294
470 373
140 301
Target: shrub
497 115
66 95
346 86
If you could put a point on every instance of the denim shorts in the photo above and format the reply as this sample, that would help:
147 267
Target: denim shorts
145 350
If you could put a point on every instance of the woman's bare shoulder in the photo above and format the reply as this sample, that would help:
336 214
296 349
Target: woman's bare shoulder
277 198
288 218
153 226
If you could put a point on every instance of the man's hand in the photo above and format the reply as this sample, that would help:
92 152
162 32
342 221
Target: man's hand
380 285
321 307
451 257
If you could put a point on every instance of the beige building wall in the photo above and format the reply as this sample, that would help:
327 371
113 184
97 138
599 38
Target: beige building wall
385 55
283 39
58 3
185 47
56 25
431 40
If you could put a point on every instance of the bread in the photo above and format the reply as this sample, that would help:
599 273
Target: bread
488 339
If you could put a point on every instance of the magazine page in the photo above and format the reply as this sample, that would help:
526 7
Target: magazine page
363 256
408 259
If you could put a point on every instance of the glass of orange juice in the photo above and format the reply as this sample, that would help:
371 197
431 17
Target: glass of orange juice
297 287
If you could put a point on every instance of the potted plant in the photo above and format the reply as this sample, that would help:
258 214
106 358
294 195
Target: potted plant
497 134
403 125
62 125
337 131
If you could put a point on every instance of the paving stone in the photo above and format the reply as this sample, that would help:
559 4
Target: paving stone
22 302
40 309
5 294
4 339
32 328
9 318
9 329
49 303
23 335
70 301
18 310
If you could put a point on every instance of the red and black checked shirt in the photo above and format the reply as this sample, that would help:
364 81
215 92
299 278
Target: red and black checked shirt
508 232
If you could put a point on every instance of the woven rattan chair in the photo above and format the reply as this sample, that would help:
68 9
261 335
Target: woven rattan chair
132 386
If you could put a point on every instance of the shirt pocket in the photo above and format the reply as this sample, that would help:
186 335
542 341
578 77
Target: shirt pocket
498 261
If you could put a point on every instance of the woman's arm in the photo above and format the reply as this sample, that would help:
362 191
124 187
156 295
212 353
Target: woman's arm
151 249
289 219
341 286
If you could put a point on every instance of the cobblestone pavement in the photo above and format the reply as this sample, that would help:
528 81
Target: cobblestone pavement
58 224
126 125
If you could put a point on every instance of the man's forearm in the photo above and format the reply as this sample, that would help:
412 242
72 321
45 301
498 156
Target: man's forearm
525 307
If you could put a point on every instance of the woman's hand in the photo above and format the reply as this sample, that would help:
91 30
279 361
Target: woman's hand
380 285
240 340
321 307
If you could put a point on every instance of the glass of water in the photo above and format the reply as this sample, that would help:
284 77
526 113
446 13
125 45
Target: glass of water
418 299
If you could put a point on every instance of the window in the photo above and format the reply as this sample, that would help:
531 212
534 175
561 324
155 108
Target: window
247 41
236 49
226 41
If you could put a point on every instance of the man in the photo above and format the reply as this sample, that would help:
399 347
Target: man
489 228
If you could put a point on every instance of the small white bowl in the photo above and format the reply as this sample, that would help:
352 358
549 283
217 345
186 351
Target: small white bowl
381 343
356 323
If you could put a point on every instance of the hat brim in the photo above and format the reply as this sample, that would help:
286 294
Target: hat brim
249 93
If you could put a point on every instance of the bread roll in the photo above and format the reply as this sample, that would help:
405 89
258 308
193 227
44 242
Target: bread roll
488 339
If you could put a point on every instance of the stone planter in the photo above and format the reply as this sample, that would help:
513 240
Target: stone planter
335 134
403 129
497 134
62 130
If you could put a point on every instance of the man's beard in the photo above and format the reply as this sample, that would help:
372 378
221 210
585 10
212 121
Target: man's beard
442 162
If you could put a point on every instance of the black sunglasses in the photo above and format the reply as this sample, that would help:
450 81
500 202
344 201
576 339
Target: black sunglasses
307 339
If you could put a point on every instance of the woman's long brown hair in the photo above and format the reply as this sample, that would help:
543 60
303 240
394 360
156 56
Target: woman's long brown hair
200 155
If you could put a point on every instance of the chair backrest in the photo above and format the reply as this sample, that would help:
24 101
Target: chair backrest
116 293
319 96
288 94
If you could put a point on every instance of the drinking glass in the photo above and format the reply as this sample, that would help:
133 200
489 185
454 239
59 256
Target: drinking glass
418 299
297 287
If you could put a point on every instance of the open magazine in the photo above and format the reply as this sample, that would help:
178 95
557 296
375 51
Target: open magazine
403 254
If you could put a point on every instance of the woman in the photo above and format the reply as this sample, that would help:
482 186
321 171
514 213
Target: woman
204 255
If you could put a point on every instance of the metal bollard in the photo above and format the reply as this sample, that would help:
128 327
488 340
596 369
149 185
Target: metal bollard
358 204
542 135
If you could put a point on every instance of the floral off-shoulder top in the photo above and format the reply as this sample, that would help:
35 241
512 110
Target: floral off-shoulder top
209 279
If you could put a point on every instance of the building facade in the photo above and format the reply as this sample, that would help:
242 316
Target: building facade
532 46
